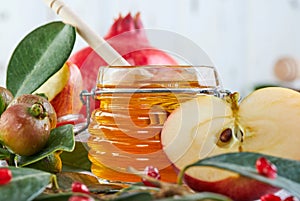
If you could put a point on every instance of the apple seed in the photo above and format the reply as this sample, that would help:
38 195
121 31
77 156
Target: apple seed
226 135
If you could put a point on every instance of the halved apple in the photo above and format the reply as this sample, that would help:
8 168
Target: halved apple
266 121
55 84
63 90
67 101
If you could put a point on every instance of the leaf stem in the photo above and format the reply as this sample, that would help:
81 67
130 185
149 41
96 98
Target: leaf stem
54 183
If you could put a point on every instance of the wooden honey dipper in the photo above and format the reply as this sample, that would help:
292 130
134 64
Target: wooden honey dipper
101 47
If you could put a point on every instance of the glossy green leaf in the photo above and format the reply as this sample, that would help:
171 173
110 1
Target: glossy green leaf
244 163
77 160
51 163
198 197
2 105
38 56
61 139
137 188
137 196
4 153
26 184
65 179
54 197
146 196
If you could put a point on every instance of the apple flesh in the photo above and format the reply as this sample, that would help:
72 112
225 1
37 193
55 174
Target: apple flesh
67 101
266 121
55 84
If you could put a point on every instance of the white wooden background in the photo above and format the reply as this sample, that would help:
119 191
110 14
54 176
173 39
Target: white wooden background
243 37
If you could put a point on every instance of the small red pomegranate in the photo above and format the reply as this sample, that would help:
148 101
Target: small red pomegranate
128 37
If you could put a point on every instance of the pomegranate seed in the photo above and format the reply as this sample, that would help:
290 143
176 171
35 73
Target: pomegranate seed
151 172
78 187
80 198
266 168
290 198
270 197
5 176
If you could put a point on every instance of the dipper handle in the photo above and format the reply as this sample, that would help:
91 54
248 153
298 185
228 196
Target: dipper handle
101 47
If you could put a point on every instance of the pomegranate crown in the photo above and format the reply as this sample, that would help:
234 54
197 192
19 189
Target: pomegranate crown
126 24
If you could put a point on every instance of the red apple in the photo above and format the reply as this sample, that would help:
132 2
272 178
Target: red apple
67 101
238 188
266 121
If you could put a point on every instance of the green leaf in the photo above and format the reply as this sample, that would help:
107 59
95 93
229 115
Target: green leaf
172 188
51 163
146 196
65 179
2 105
4 154
54 197
244 163
38 56
198 197
61 139
77 160
137 196
26 184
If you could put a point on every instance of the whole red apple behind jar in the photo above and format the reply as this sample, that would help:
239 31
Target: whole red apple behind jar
128 37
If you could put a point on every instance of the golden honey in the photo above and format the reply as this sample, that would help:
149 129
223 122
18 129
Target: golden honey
125 129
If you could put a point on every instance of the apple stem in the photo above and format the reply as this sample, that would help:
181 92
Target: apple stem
180 177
